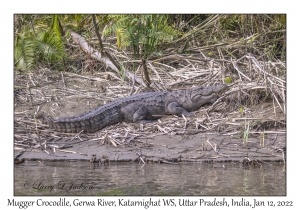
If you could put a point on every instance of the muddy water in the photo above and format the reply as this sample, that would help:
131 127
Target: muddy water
80 178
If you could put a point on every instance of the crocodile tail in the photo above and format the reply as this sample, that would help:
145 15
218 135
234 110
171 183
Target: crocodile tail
68 125
82 124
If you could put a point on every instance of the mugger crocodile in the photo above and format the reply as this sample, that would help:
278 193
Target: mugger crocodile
140 107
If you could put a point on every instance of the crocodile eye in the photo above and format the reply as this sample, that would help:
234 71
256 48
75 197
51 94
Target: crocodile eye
196 97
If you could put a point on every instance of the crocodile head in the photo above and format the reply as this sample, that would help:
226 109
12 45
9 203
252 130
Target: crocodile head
203 95
220 89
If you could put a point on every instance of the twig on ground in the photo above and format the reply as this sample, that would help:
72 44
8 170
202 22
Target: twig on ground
63 79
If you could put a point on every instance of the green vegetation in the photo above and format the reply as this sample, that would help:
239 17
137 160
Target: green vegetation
246 134
228 80
43 40
39 44
142 33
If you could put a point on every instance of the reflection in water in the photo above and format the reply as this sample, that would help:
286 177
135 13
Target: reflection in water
80 178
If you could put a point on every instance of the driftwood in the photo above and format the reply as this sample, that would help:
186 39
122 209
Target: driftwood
98 56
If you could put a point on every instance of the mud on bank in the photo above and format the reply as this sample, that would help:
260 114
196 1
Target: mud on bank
209 147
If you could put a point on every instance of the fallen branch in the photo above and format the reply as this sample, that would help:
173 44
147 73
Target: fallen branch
98 56
73 152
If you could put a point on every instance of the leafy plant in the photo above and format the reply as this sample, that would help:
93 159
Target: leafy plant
144 33
228 80
241 110
24 51
40 44
49 46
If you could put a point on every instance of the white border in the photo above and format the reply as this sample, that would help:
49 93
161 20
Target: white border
153 6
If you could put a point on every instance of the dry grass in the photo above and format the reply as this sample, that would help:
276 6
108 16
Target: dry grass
257 95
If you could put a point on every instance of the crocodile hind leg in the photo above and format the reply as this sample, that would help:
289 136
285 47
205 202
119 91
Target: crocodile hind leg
135 113
140 114
176 109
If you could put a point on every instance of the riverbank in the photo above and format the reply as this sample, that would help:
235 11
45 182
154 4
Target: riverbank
202 147
216 133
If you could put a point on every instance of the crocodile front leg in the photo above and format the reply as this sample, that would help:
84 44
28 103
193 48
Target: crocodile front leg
176 109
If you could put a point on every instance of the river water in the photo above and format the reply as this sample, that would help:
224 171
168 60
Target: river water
82 178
